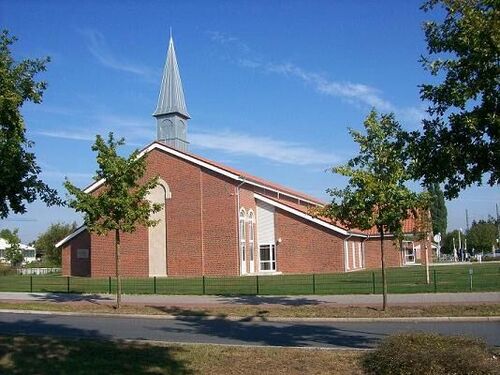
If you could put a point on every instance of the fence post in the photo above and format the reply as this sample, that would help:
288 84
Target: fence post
31 283
257 284
373 282
435 281
67 284
109 284
154 285
314 283
204 285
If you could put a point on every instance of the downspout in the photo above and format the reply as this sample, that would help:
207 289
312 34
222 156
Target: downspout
346 251
238 220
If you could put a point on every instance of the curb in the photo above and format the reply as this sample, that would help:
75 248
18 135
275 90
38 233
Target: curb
262 319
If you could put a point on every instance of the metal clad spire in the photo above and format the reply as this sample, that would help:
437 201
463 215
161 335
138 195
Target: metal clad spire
171 98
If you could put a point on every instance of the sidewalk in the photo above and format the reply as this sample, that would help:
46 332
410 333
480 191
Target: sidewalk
333 300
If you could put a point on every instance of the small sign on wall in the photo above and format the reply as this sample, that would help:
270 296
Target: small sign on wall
82 253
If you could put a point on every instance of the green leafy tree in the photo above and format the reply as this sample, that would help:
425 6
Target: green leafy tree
439 213
376 194
46 241
482 236
13 253
447 247
460 142
19 171
120 205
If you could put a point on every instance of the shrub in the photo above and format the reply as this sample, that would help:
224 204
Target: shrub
6 269
431 354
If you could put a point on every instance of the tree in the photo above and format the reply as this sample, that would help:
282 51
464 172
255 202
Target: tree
482 236
13 253
46 241
439 213
448 242
120 205
460 142
19 171
376 195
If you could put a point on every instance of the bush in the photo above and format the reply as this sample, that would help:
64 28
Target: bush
431 354
6 269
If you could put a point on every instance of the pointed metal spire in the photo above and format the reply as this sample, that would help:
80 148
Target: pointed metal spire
171 98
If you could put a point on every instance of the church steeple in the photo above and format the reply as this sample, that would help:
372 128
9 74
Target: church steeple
171 112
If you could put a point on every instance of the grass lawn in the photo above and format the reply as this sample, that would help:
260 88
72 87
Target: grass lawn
263 312
485 277
44 356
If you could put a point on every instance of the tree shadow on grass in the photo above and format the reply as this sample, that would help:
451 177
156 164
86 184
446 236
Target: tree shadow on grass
87 353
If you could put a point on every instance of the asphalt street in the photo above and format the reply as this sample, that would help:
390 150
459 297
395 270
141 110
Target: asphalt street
357 335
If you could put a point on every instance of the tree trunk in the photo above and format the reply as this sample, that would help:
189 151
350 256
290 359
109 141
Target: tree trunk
117 265
384 280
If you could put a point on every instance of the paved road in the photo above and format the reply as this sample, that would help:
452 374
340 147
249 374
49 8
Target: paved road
360 299
221 331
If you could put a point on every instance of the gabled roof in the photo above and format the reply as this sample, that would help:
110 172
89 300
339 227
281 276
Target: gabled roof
301 211
171 98
71 235
223 170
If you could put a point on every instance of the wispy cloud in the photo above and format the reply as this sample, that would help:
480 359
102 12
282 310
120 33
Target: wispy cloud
267 148
97 46
358 94
263 147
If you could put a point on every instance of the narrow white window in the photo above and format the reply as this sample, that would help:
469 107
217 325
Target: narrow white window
346 253
360 255
353 246
251 239
243 241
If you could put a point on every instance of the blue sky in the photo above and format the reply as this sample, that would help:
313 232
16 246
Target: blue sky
271 86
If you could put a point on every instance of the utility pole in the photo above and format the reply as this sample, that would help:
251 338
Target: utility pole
498 231
467 219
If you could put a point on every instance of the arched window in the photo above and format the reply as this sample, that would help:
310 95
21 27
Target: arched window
251 234
242 234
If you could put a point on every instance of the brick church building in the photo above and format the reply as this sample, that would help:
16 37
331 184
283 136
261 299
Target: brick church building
217 220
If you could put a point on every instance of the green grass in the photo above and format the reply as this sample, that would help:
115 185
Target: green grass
47 356
486 277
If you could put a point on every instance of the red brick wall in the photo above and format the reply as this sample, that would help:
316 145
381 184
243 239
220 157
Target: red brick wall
220 226
372 253
71 265
306 247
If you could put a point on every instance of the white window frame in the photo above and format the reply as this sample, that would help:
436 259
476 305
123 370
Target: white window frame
353 249
346 255
243 241
251 239
360 256
405 253
272 257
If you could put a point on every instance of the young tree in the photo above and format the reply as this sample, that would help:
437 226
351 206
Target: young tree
439 213
13 253
376 195
460 141
482 235
120 205
46 241
19 171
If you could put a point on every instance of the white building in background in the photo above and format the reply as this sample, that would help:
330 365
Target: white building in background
29 252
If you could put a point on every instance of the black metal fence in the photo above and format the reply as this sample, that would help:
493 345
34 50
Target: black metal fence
400 280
